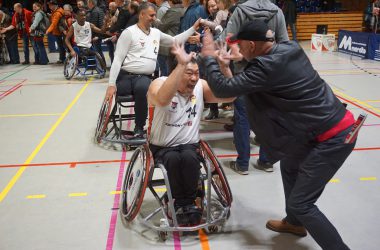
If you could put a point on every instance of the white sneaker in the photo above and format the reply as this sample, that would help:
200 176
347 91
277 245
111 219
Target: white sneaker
237 169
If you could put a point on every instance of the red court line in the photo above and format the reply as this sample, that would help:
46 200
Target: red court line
76 163
112 227
371 125
11 90
359 106
73 165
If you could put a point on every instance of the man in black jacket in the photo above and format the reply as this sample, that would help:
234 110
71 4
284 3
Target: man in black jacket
295 115
95 15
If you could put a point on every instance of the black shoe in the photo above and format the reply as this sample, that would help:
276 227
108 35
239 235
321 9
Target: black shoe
25 63
36 63
139 132
59 62
188 215
229 127
212 115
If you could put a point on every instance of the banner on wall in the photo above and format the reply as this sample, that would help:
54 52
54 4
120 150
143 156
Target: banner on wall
374 47
353 43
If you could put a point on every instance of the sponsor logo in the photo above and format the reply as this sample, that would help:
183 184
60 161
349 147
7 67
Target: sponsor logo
348 44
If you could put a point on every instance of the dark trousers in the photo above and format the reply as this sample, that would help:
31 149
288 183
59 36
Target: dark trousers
25 42
13 50
61 48
241 133
111 50
164 71
98 47
136 85
304 177
183 166
40 51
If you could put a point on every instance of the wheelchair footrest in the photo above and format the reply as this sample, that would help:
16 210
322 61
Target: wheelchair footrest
158 182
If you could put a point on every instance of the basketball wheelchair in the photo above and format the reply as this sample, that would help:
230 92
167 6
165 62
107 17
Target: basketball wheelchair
114 122
84 65
214 191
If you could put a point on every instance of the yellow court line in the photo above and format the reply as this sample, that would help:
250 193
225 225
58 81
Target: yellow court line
36 196
21 170
372 100
368 178
29 115
204 240
357 100
334 181
115 192
77 194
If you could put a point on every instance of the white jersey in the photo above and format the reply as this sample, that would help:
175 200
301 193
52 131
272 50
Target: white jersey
178 123
82 34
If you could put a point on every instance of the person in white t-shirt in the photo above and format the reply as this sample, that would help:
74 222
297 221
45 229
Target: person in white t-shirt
174 139
82 32
135 60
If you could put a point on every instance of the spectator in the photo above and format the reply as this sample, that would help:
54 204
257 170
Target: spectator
37 32
290 12
222 15
56 18
109 20
95 15
194 11
10 37
169 24
21 21
133 8
163 7
123 17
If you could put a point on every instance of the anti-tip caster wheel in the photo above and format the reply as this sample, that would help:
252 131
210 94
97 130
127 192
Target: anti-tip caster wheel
163 236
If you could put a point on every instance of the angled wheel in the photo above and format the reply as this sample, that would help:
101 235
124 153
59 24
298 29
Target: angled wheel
101 66
219 180
70 66
135 182
103 119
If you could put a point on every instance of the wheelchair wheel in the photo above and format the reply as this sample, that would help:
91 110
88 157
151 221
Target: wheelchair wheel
70 66
103 119
135 182
101 66
219 180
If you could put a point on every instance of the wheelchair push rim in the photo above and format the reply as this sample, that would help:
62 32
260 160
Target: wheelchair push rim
70 66
135 183
103 119
218 180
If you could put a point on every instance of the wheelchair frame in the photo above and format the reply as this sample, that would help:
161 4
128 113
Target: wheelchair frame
72 66
143 179
111 119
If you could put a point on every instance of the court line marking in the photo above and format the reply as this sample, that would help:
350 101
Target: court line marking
28 115
116 200
334 181
115 192
177 241
354 102
77 194
14 72
12 89
73 165
19 172
52 164
36 196
368 178
203 239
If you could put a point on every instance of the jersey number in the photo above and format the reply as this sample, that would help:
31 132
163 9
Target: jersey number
191 111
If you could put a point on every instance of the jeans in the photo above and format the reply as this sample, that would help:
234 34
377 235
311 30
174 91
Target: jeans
162 64
293 29
13 50
61 48
98 47
40 51
241 134
304 177
25 42
136 85
111 50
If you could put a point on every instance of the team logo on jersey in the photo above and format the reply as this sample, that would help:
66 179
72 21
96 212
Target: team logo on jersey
193 99
142 42
174 105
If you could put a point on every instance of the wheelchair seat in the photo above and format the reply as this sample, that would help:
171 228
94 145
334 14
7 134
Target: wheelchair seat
126 98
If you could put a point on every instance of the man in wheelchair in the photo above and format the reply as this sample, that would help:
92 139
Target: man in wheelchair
82 32
174 138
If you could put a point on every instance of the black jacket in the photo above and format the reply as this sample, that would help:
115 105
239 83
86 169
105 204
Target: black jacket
288 104
122 20
95 16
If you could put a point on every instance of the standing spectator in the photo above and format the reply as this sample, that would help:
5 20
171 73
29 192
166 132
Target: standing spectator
10 37
68 21
169 24
37 32
163 7
21 21
95 15
290 12
194 11
133 8
222 15
122 14
56 16
109 20
80 5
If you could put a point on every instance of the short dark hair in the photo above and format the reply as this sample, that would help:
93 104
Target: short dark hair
134 6
82 10
146 5
176 1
